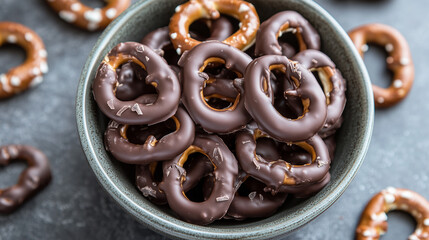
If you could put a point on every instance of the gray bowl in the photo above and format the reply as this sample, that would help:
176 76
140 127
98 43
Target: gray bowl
117 178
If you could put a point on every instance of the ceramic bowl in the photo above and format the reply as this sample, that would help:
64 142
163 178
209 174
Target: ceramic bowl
117 178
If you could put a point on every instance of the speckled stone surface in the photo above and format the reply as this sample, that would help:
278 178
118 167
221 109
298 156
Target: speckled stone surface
75 206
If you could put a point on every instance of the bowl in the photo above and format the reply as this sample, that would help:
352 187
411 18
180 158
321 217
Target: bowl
117 178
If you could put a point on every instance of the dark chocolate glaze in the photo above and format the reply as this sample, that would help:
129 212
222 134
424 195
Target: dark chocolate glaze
269 120
33 179
266 38
280 175
212 120
168 147
223 87
220 29
159 74
308 190
317 61
158 39
257 204
331 144
147 184
225 173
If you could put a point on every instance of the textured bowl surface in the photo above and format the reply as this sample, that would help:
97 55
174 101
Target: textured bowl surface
117 178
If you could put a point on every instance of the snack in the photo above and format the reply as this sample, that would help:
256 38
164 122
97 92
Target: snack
278 24
187 13
194 62
399 60
91 19
257 124
30 73
33 179
225 172
160 75
269 120
373 222
156 146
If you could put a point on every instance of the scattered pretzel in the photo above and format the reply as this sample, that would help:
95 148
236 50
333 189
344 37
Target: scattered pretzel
373 222
91 19
35 177
191 11
399 60
30 73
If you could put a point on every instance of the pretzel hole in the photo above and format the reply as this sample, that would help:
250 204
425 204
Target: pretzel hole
293 37
291 107
249 187
379 73
156 171
138 134
10 173
198 192
215 68
11 56
323 76
401 225
94 4
131 82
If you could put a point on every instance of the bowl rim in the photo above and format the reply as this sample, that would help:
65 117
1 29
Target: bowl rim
164 226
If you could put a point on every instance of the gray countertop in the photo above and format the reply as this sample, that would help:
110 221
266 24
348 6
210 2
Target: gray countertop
75 206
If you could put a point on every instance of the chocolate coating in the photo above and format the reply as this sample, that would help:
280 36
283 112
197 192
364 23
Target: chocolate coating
160 75
131 82
168 147
225 173
147 184
272 28
269 120
193 62
280 175
257 204
333 84
34 178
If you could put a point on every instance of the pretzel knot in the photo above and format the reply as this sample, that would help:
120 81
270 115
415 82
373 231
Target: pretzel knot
399 60
373 222
35 177
225 172
91 19
191 11
159 75
30 73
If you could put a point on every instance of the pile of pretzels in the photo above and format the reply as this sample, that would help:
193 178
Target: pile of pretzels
224 123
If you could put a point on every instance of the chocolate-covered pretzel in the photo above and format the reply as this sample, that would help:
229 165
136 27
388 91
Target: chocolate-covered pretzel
153 149
271 29
193 78
257 204
225 173
399 60
160 75
30 73
146 181
333 84
191 11
34 178
269 120
280 175
373 222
